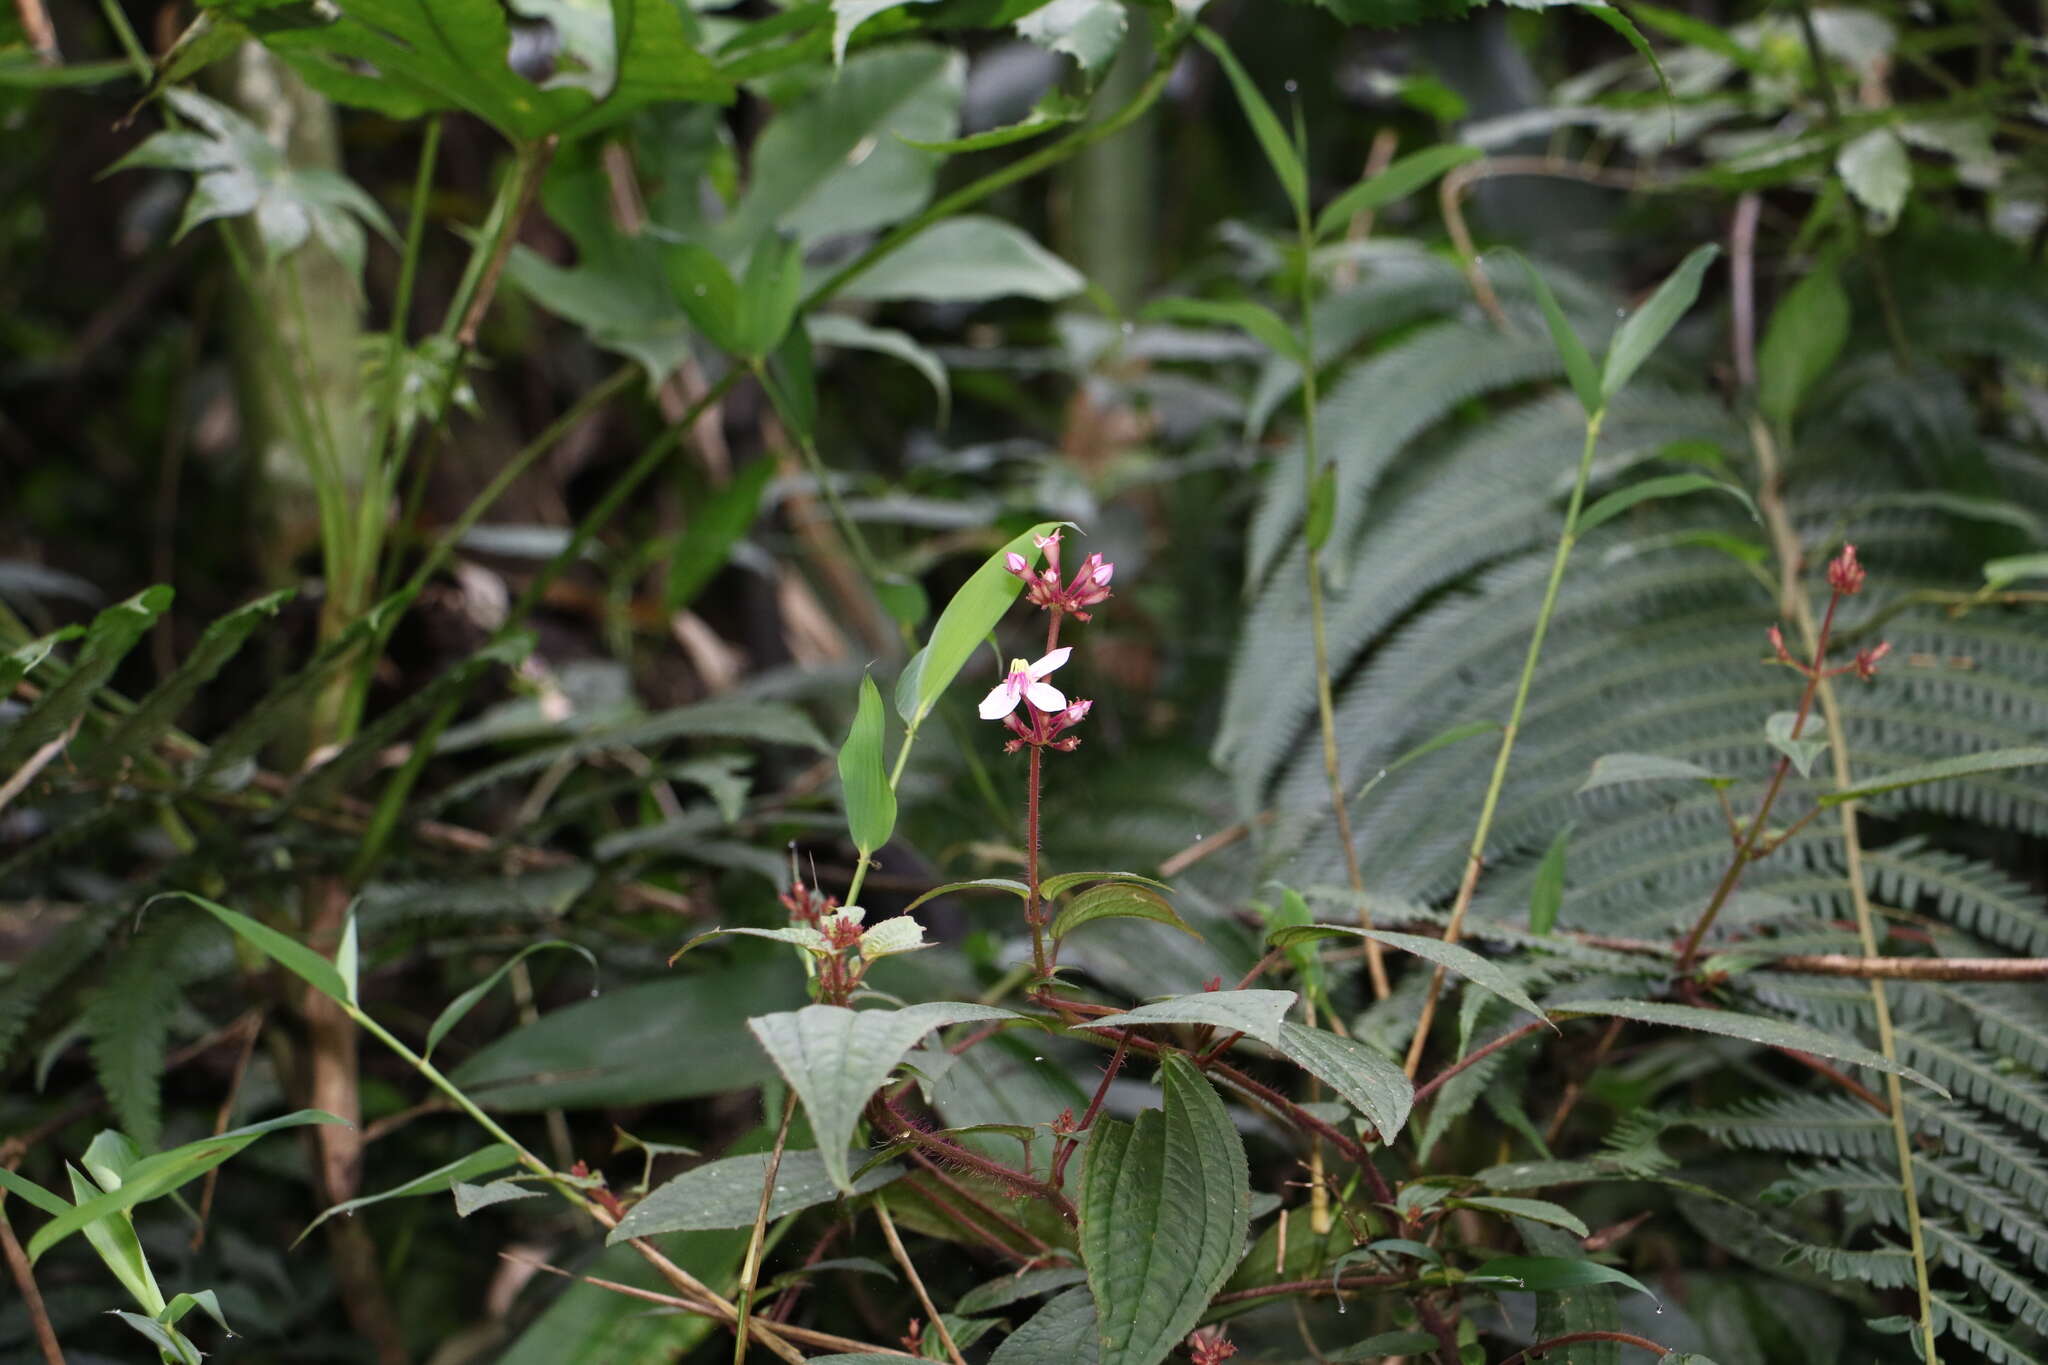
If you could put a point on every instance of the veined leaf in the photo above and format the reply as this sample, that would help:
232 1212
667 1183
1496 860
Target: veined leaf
1647 327
1368 1082
483 1161
1609 769
1918 774
1011 885
1256 1014
1454 958
727 1193
864 776
1009 1289
1752 1028
1808 329
835 1058
469 1198
963 625
1061 1333
1547 1274
1803 749
1117 900
1164 1207
968 259
462 1004
1396 182
1536 1210
1052 888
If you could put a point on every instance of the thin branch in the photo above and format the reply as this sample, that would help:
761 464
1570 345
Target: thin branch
31 1297
533 165
751 1271
938 1319
1311 1288
37 761
1508 1039
1625 1338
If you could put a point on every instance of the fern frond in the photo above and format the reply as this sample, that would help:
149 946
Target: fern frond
128 1022
1968 1072
44 971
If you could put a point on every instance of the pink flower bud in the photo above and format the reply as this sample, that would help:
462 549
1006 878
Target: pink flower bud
1867 660
1845 575
1103 573
1015 563
1778 645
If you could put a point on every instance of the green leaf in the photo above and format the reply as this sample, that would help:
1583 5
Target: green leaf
2003 573
1052 888
727 1193
469 1198
483 1161
1611 769
1015 888
1778 729
1943 770
768 294
968 259
848 15
1808 329
108 639
170 1342
1546 890
1273 139
1256 1014
1613 16
1009 1289
462 1004
864 776
717 523
1395 183
1578 361
835 1058
1368 1082
157 711
156 1176
128 1021
1548 1274
1748 1027
850 333
1536 1210
1647 327
1666 486
1117 900
112 1237
1061 1333
24 1188
311 968
1454 958
705 291
1089 31
1877 171
1382 1345
206 1301
19 662
1261 322
963 625
1165 1203
1322 508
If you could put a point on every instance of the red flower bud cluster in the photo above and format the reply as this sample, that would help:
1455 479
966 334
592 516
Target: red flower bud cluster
1210 1346
1845 574
1044 728
1043 588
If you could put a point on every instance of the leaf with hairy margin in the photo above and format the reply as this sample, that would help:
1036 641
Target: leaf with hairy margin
1256 1014
1368 1082
1061 1333
1452 957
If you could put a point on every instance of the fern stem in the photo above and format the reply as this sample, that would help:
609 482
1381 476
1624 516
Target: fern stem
1786 538
1475 857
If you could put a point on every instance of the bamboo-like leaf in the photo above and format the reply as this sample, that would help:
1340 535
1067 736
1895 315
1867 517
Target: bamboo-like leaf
835 1058
1752 1028
1454 958
108 639
1650 490
1368 1082
1548 1274
483 1161
311 968
1256 1014
1579 366
1396 182
1647 327
159 710
1273 139
1117 900
1164 1207
727 1193
462 1004
864 775
963 625
1968 765
1261 322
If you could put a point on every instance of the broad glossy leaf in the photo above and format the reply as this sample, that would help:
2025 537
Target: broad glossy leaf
1247 315
495 1157
1395 183
1117 900
1255 1013
1610 769
1943 770
1650 490
1536 1210
1546 890
108 639
315 970
1578 361
462 1004
727 1193
1164 1207
968 259
1769 1032
835 1058
963 625
1808 329
864 777
1061 1333
1647 327
1273 139
1368 1082
1454 958
156 1176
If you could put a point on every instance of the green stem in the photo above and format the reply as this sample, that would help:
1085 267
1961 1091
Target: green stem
1475 856
395 345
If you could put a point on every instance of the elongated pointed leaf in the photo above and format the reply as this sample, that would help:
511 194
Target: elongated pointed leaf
156 1176
1164 1207
1546 892
108 639
1578 361
1536 1210
835 1058
1052 888
1273 139
24 1188
727 1193
158 711
1396 182
1547 1274
850 333
1728 1024
963 625
483 1161
1919 774
1650 490
1647 327
462 1004
1610 769
1808 330
1061 1333
1246 315
1117 900
1366 1081
315 970
1454 958
1256 1014
716 525
864 776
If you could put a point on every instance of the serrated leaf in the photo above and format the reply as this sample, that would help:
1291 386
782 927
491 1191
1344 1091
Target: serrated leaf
156 1176
1089 31
1396 182
1165 1203
1808 329
1778 729
128 1021
835 1058
864 776
469 1198
963 625
160 709
1255 1013
1272 138
727 1193
897 934
1009 1289
1611 769
1368 1082
1061 1333
311 968
1546 889
1117 900
1536 1210
1751 1028
108 639
483 1161
1052 888
453 1012
1943 770
1646 328
1458 960
1650 490
1247 315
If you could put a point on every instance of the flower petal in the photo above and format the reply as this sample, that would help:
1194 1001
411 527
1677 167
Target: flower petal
1050 662
1046 697
1000 702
